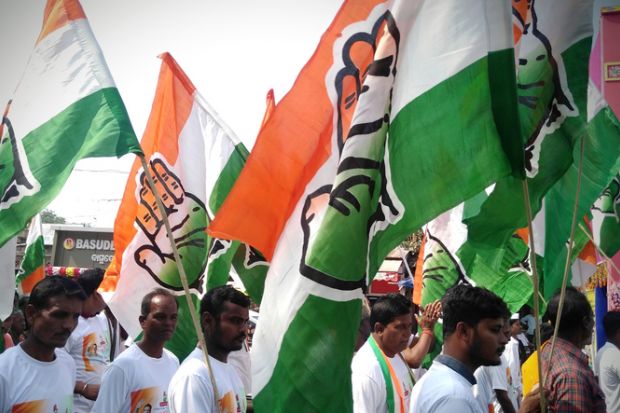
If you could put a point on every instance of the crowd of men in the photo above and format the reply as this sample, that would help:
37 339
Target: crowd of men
70 359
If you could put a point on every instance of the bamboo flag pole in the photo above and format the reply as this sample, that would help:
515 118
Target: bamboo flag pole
182 276
568 259
536 295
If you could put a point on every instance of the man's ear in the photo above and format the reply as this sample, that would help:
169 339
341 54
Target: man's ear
29 313
378 328
206 321
464 331
141 319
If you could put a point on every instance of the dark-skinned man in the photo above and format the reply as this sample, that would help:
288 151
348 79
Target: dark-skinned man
474 336
36 375
224 315
140 376
381 379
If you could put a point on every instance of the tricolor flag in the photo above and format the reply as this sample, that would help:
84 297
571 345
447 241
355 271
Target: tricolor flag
557 114
32 268
405 109
65 108
194 159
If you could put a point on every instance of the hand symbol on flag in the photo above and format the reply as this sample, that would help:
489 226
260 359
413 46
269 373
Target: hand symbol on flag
188 220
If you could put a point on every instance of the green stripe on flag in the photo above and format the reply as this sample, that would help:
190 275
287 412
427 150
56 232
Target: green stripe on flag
308 376
34 257
94 126
228 176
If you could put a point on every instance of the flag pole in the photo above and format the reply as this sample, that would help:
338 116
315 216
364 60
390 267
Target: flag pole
182 275
536 294
568 259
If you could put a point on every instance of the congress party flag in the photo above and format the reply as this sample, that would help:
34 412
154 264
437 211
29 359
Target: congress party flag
194 158
32 268
65 108
406 109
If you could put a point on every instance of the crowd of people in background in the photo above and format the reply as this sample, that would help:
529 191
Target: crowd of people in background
63 352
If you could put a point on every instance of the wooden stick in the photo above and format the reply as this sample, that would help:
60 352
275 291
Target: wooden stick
536 294
182 276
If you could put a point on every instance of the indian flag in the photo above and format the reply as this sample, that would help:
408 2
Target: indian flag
194 159
32 266
65 108
406 109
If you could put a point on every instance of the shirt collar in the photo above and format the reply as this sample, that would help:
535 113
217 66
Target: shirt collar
457 366
572 349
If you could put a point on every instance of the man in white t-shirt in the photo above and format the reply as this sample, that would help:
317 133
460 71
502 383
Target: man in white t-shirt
473 322
494 389
607 362
224 315
34 375
90 343
513 358
138 379
381 379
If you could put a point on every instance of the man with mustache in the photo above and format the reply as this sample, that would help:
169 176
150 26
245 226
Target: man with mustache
382 380
35 374
224 315
473 329
138 379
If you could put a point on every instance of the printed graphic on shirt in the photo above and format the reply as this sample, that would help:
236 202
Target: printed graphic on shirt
61 405
230 403
93 349
149 400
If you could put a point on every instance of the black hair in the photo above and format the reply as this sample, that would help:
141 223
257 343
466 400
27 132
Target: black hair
468 304
611 323
214 300
145 306
546 332
576 307
387 308
90 280
54 286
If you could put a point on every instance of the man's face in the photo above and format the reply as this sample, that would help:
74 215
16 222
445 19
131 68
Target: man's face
161 321
231 327
489 341
395 335
52 326
515 328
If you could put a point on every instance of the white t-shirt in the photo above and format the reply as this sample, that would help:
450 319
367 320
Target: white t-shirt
134 380
369 391
240 360
89 345
514 364
30 385
190 389
483 389
607 365
443 390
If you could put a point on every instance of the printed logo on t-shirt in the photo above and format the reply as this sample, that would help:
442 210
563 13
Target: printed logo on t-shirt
61 405
230 403
93 350
149 400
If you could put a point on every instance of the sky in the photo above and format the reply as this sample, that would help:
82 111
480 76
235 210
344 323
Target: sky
233 51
